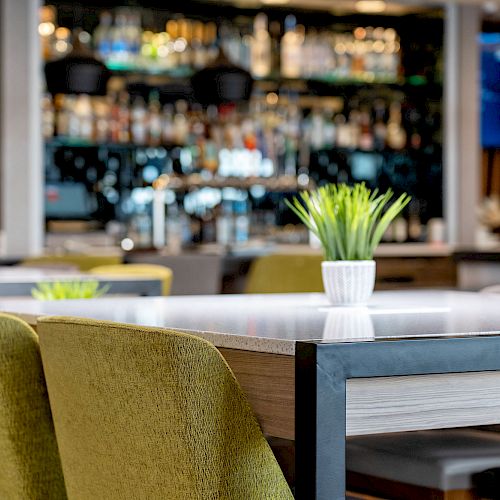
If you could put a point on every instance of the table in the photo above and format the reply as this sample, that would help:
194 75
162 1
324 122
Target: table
316 374
19 281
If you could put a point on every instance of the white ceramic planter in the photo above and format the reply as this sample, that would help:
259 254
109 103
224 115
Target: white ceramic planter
348 282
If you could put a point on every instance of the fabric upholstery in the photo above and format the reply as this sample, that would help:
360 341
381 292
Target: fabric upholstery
30 468
441 459
82 262
151 413
146 270
285 273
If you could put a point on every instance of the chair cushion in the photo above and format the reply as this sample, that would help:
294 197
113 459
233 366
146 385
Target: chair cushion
441 459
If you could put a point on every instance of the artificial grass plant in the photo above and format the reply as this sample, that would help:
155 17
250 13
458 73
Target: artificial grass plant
74 289
349 221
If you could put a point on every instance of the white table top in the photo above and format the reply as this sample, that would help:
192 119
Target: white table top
273 323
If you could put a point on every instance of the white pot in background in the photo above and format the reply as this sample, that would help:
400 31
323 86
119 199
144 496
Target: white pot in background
348 282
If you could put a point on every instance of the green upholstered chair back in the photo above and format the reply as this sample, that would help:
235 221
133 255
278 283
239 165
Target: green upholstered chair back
151 413
146 270
285 273
30 468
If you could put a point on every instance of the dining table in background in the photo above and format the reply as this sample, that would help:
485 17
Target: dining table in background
313 373
18 281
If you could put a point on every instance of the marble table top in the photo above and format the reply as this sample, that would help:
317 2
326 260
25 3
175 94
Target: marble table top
274 322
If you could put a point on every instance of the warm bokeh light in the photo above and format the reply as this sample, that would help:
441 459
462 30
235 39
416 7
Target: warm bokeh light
370 6
46 29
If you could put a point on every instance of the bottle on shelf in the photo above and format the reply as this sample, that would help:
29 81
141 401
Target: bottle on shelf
102 36
154 120
48 117
261 58
396 135
291 49
123 119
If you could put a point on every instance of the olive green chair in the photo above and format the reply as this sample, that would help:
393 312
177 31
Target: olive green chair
285 273
151 413
162 273
80 261
30 468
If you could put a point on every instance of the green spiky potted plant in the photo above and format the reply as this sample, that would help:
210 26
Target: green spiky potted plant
349 223
71 289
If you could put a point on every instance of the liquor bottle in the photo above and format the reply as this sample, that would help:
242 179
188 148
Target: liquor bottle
172 30
83 113
316 131
200 51
224 224
123 118
48 117
183 43
73 120
329 130
231 42
210 41
309 52
379 127
139 125
275 34
396 135
291 49
103 119
343 131
133 35
180 124
102 36
119 45
391 56
154 120
366 139
167 123
241 221
260 48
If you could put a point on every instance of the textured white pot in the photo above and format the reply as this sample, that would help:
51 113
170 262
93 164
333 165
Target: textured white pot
348 282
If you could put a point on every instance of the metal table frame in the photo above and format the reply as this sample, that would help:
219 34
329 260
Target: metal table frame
322 370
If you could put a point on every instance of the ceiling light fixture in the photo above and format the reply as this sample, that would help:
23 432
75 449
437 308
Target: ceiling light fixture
370 6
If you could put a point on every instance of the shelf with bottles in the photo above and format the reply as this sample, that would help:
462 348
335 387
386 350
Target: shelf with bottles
129 41
282 129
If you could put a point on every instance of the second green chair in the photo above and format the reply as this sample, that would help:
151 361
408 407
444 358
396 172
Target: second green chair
285 273
30 468
145 270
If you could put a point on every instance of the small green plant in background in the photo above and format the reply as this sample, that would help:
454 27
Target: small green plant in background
349 221
74 289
